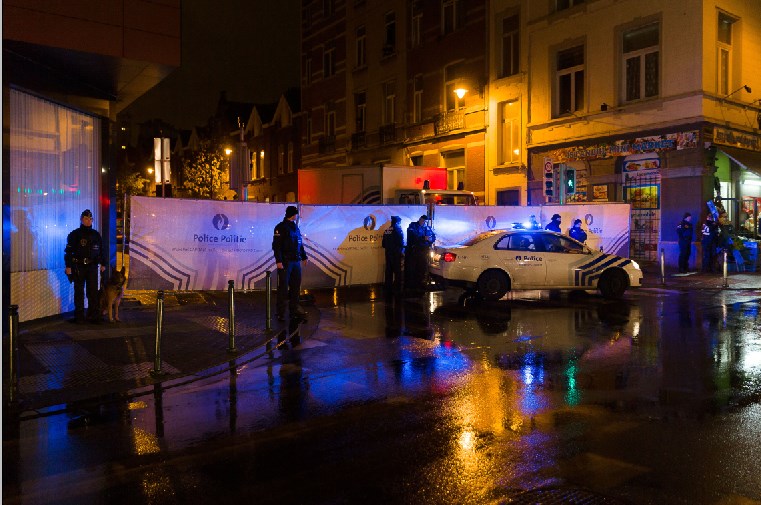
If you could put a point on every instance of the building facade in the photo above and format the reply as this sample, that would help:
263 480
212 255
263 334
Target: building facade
379 81
620 100
68 70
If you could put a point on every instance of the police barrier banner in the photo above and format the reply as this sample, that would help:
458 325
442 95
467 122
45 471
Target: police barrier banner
454 225
181 244
607 225
343 242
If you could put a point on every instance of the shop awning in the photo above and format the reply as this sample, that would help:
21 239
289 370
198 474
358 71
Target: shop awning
750 160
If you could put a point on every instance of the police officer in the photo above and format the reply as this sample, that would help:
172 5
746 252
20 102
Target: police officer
84 252
420 238
289 252
684 233
576 232
709 242
393 243
554 224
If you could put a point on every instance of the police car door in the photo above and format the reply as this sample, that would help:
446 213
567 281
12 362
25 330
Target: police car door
562 255
522 260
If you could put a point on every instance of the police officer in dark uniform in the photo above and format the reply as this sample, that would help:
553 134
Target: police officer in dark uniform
709 242
289 256
554 224
684 233
420 238
84 252
393 243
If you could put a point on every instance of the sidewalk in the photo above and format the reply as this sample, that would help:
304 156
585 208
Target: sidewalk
697 280
61 363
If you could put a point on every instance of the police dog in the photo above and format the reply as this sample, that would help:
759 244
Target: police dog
111 293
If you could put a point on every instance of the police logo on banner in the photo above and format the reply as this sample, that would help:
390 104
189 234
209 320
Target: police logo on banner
220 222
370 222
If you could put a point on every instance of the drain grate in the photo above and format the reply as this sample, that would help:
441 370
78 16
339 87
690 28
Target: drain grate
563 496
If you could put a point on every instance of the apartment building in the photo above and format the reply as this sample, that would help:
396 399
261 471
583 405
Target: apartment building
396 81
635 97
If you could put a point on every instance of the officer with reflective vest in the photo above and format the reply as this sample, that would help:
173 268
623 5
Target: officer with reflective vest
84 252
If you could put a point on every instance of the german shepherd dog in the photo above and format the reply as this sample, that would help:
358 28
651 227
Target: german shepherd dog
111 293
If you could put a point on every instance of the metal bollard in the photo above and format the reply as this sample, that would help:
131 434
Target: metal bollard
159 324
726 282
13 354
663 267
268 288
231 317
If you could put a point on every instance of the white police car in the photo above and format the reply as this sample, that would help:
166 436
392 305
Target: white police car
499 261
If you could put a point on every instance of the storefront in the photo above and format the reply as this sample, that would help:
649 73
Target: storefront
738 163
634 170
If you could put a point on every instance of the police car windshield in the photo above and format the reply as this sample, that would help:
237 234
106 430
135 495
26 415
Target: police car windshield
482 236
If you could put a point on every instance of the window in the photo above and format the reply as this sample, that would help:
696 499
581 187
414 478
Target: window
724 53
309 130
641 50
328 7
290 157
417 100
281 160
389 42
452 74
553 243
259 164
561 5
417 160
308 71
510 46
328 65
360 110
389 102
452 15
454 161
509 142
517 242
361 47
569 83
330 124
415 36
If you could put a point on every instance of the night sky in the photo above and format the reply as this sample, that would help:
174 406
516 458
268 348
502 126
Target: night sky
250 48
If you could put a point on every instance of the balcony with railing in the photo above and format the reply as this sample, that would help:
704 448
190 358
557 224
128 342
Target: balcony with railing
445 122
387 133
358 140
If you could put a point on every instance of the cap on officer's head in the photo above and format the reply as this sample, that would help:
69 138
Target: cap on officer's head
423 218
86 213
556 217
396 219
291 211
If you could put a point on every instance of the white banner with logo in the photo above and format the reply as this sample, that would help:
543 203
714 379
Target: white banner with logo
181 244
606 224
343 242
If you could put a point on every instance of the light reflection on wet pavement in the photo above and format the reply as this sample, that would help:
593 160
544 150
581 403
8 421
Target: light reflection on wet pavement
652 399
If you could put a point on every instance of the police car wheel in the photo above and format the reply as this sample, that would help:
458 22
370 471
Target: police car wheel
613 284
493 284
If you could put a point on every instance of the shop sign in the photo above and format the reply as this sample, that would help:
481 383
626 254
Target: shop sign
736 139
667 142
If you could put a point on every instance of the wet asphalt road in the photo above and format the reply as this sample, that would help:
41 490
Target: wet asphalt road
534 399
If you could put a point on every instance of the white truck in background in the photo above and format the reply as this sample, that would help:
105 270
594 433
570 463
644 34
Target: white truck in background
382 183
